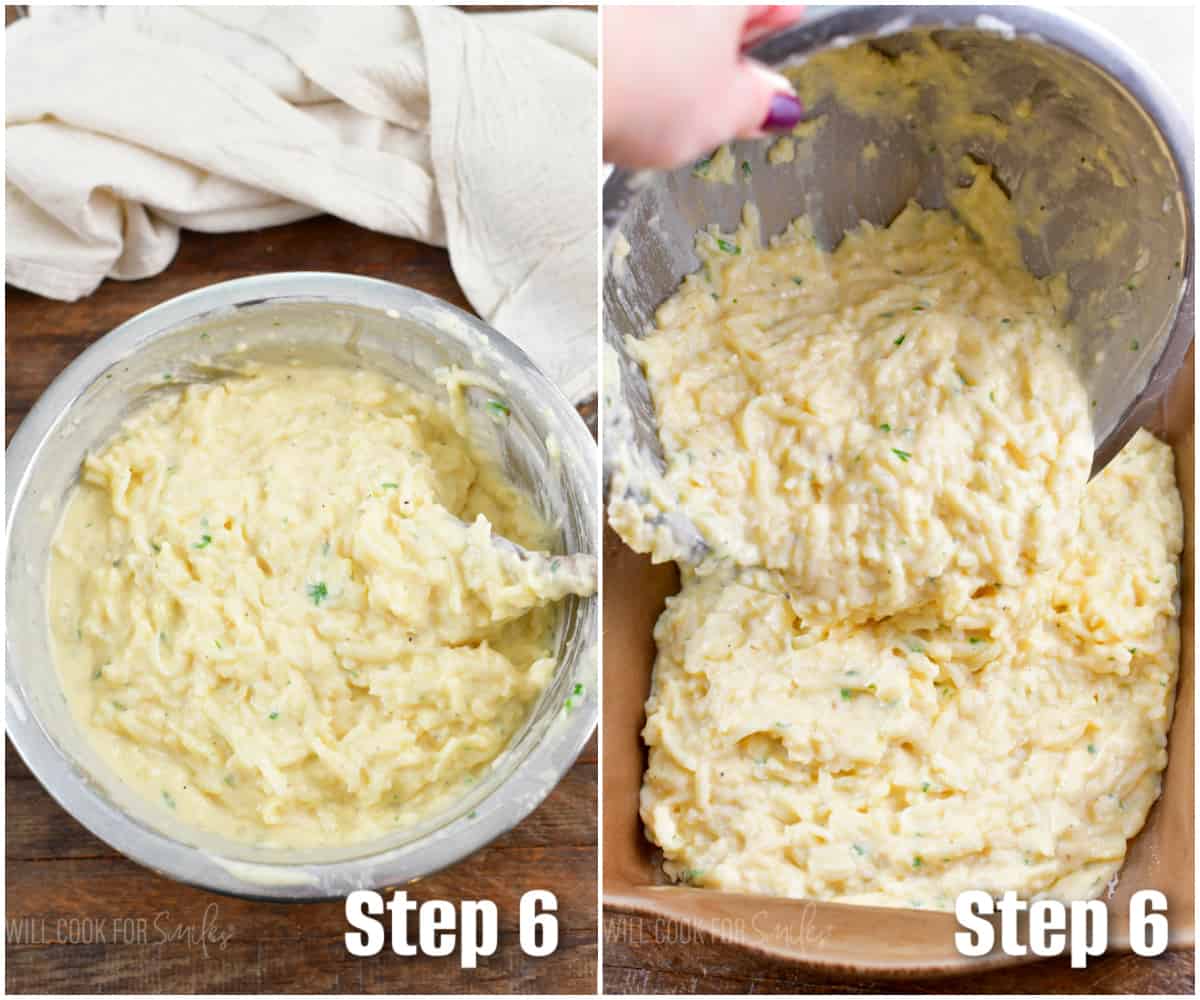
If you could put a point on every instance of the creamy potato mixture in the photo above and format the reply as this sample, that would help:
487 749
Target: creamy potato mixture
904 761
923 654
898 423
279 612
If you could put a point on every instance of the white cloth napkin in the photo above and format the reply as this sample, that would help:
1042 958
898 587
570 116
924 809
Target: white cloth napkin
476 132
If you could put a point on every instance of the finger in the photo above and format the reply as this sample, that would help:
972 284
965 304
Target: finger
760 101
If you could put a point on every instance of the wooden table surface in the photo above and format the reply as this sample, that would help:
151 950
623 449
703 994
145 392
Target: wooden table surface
74 904
643 956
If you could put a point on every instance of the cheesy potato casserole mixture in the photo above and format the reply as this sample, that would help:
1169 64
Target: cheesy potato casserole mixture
923 654
895 424
279 612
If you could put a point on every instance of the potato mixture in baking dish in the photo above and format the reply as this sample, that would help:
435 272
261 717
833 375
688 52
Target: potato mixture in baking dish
279 611
903 761
923 653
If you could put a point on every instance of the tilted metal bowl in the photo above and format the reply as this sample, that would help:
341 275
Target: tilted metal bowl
1085 88
331 318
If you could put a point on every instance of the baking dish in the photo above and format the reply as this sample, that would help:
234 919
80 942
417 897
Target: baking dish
656 217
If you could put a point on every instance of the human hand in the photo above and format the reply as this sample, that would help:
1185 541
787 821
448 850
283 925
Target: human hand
676 83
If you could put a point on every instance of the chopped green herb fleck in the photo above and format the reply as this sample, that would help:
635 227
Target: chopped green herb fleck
693 874
1091 748
217 643
472 814
97 673
273 716
119 706
167 376
798 281
1134 345
917 861
920 307
1131 285
899 340
205 541
554 564
847 694
168 800
498 408
700 168
858 849
1133 650
904 456
975 640
156 546
746 167
728 247
925 786
885 427
228 779
386 486
1006 320
317 592
577 690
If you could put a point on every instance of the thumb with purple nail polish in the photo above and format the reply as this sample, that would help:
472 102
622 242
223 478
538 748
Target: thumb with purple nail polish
784 114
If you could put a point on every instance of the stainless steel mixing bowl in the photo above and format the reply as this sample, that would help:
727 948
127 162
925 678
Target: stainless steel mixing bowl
1084 88
338 319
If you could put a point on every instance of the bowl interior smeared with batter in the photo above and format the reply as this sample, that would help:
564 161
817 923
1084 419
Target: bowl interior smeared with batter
533 451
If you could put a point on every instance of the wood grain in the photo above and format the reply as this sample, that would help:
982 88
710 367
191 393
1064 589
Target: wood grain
644 956
81 918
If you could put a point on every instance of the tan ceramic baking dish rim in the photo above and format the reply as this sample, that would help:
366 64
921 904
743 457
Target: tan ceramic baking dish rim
1173 417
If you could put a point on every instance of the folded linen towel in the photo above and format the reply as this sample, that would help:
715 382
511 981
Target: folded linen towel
472 131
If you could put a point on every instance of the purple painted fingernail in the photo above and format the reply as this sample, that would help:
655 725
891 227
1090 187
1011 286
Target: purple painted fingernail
785 114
